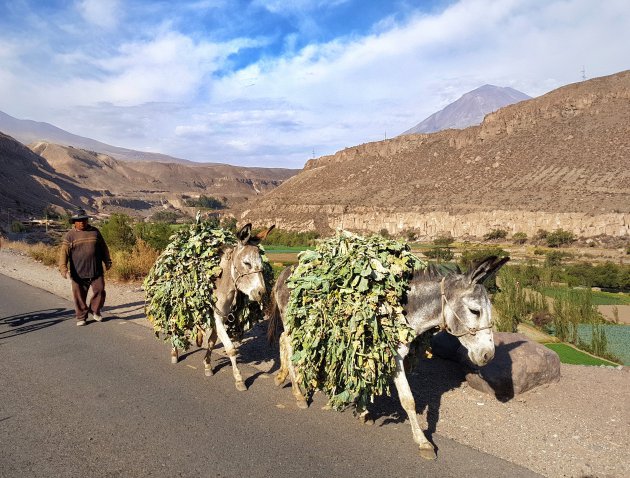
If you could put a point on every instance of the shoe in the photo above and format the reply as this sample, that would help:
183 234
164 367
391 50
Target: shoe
97 317
80 322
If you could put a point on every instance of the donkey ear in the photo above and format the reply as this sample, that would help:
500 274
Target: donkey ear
485 269
244 234
261 236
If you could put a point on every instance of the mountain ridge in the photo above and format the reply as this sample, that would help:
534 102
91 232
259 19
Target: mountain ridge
559 160
470 109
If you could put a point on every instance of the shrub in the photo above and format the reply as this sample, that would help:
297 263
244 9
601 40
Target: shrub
169 217
495 234
118 233
43 253
134 264
229 224
385 233
542 319
439 253
554 258
559 237
519 238
541 235
156 235
206 202
17 226
280 237
443 240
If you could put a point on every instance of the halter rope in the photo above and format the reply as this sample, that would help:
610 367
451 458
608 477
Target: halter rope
444 326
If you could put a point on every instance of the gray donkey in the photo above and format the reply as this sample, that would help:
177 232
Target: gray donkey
457 303
241 270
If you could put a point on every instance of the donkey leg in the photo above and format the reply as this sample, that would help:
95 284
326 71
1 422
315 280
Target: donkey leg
295 387
231 352
207 360
174 355
427 450
281 376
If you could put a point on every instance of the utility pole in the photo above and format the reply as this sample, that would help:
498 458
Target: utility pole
583 73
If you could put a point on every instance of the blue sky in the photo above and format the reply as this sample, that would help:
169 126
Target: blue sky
272 83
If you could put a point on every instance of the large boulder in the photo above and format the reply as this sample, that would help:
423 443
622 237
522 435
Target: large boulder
519 364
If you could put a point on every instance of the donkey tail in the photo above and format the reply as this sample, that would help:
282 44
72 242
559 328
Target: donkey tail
274 327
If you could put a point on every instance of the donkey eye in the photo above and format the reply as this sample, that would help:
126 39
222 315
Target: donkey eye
475 312
247 264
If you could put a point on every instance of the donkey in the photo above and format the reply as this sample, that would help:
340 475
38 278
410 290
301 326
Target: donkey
457 303
241 270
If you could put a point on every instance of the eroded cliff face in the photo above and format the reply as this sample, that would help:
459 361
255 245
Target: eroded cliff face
428 226
558 161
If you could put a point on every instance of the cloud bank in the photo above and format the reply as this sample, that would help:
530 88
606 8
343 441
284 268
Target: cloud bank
257 83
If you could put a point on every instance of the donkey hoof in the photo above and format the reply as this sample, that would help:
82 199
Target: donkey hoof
302 404
366 419
208 372
279 380
240 386
174 360
427 452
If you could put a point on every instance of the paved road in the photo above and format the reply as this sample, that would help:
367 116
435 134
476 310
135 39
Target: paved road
103 400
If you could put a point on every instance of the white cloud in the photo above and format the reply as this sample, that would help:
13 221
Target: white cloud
103 13
324 96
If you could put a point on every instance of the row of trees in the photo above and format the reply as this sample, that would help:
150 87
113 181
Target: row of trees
522 299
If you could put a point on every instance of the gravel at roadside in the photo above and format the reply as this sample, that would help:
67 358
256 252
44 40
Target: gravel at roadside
578 427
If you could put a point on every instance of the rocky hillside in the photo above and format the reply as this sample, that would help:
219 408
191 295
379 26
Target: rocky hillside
141 187
560 160
28 184
68 177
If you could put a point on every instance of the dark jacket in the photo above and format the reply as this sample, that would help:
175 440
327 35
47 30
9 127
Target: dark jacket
86 252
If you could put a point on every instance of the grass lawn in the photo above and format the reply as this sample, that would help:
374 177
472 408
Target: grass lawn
570 355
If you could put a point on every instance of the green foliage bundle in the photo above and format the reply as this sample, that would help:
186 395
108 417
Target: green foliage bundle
345 315
180 286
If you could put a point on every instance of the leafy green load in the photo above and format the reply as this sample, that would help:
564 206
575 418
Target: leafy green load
180 286
345 316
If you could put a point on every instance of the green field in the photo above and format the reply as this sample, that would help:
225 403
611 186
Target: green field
599 298
570 355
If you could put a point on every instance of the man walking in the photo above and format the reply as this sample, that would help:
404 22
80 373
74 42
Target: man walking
84 248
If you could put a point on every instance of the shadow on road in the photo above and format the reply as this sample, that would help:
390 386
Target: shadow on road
33 321
129 311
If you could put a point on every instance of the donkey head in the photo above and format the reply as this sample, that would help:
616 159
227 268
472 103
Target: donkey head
467 309
247 267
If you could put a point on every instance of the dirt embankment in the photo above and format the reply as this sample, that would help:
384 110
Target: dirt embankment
578 427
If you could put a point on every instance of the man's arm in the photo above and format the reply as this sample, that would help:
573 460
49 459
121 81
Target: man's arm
64 253
105 251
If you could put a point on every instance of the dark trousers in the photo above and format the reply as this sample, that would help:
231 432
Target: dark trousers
80 289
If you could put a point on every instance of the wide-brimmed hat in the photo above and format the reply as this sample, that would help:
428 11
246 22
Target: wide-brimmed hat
79 215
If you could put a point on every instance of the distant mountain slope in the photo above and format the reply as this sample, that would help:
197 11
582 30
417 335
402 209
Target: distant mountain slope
143 185
28 184
559 160
470 109
27 131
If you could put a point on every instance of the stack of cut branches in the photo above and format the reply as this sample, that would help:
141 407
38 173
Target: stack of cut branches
180 286
345 316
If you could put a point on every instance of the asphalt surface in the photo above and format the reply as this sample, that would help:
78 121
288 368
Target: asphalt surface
103 400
